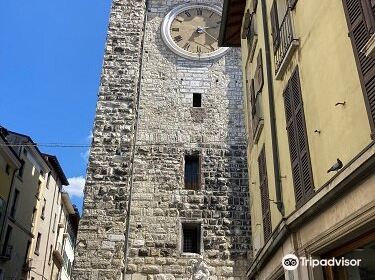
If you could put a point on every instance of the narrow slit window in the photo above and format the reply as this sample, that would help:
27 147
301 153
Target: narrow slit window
197 100
192 172
14 204
191 238
37 244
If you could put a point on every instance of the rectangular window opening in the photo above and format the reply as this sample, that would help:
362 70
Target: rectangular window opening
14 204
7 249
192 172
20 171
191 238
50 255
43 209
37 244
197 100
7 169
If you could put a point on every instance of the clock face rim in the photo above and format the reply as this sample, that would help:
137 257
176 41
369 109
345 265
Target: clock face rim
168 40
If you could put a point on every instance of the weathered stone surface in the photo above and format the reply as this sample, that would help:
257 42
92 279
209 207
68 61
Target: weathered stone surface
168 128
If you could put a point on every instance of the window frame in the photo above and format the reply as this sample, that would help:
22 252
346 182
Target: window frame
198 181
37 243
199 95
199 226
13 208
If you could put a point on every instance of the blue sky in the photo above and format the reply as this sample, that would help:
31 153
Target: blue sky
50 61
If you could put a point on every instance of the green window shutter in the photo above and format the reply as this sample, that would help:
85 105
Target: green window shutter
264 193
298 142
361 24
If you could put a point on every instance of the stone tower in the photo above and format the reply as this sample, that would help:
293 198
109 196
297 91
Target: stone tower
167 179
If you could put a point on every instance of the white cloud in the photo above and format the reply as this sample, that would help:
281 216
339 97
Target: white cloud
85 156
90 136
76 185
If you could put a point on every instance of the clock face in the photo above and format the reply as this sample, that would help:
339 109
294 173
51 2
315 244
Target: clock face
192 31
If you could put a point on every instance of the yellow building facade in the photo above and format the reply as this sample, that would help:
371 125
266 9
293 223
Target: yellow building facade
38 221
310 106
9 164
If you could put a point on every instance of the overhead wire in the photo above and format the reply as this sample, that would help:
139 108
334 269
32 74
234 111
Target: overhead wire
69 145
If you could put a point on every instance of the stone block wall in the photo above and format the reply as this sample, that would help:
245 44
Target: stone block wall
168 128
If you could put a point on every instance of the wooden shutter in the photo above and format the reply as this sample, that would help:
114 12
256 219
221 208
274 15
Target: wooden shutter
259 73
252 98
249 112
275 26
246 25
361 23
298 143
264 193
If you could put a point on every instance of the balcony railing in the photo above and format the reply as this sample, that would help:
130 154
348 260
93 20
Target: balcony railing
287 45
6 252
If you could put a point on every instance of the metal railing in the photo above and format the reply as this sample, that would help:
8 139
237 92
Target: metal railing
286 38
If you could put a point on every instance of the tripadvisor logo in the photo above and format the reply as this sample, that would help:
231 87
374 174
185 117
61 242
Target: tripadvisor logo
291 262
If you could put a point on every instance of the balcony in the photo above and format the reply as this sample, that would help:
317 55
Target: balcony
5 253
287 45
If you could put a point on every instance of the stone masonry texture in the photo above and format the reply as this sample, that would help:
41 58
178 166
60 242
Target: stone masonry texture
168 129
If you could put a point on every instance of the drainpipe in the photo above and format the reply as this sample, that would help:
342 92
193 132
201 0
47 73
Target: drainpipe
58 228
50 221
139 90
275 148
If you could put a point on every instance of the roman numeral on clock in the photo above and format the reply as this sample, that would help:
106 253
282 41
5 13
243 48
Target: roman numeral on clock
175 29
187 14
178 38
186 46
199 11
211 15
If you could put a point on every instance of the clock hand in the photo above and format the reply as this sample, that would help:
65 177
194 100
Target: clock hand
209 27
205 32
